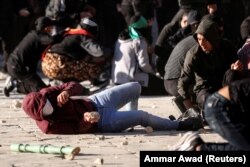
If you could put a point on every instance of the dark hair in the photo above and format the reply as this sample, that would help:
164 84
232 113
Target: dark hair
43 22
134 18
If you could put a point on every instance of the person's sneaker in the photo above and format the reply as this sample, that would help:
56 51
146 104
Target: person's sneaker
191 112
188 142
8 86
191 123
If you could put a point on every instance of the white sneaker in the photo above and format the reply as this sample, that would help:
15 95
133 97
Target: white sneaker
9 85
188 142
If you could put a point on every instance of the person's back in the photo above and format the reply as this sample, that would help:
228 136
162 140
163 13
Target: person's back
131 60
78 56
170 36
175 63
125 63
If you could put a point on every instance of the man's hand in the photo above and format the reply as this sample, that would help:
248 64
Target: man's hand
91 117
237 66
62 98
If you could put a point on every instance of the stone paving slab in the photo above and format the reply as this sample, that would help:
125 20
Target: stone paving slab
16 127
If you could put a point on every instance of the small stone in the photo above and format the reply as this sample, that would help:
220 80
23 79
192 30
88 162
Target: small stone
69 156
124 143
100 137
99 161
154 106
149 129
3 121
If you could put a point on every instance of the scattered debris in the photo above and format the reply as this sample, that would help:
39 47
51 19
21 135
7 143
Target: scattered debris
148 129
124 142
100 137
16 104
69 156
140 141
99 161
3 121
153 106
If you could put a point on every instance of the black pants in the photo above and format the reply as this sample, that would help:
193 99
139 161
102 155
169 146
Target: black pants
171 86
26 77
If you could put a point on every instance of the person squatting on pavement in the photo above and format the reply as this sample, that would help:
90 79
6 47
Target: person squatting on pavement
56 112
205 64
227 113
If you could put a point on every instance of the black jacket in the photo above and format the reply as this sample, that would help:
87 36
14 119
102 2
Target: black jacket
78 47
206 69
24 59
239 92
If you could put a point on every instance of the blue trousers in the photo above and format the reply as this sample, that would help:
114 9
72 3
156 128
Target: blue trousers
228 121
109 101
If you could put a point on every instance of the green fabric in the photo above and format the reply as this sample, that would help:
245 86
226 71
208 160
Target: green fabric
141 23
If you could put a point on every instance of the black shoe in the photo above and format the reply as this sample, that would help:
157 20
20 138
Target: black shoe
171 117
8 86
192 123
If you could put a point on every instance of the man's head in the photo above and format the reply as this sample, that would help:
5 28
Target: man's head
208 35
212 6
184 20
137 26
37 106
205 45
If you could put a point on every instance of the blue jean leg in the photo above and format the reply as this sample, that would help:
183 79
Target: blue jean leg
118 121
109 101
118 96
226 121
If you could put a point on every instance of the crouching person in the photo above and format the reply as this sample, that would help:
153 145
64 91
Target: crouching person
78 57
227 113
23 61
57 112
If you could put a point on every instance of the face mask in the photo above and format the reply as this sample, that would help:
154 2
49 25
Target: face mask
47 109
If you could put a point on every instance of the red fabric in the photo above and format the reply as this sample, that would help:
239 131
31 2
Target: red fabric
67 119
78 31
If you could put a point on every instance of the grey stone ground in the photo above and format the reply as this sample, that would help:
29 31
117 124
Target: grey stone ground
16 127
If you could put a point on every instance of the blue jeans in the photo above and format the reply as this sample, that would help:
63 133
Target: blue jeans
109 101
227 120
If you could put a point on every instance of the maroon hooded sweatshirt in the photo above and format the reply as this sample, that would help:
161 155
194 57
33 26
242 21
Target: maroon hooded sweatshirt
67 119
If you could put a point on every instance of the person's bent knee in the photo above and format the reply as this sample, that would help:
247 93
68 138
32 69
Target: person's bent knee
136 86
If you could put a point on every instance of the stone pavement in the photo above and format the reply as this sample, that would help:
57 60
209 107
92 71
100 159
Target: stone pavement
119 149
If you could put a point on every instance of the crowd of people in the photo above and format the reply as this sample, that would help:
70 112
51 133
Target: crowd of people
197 51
